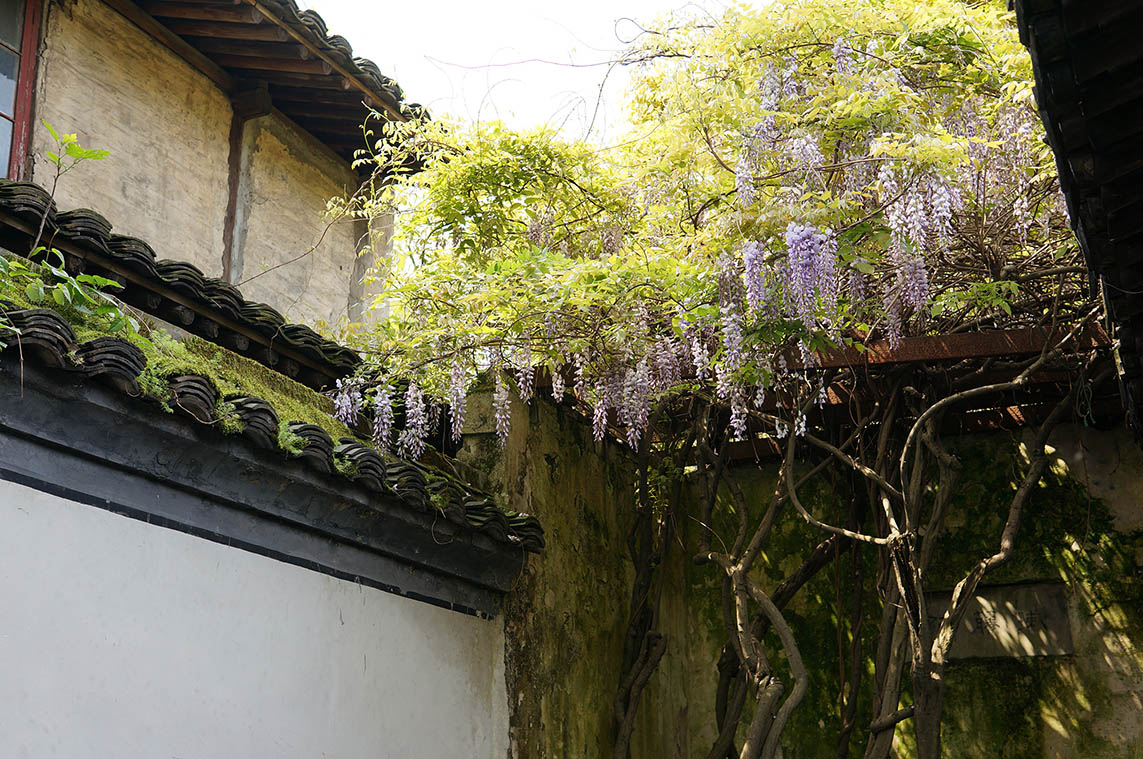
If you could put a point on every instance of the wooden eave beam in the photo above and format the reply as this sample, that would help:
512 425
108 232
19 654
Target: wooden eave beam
175 43
250 48
289 93
292 66
307 111
351 80
186 28
313 81
232 15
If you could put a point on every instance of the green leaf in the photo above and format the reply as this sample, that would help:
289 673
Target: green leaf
35 291
51 130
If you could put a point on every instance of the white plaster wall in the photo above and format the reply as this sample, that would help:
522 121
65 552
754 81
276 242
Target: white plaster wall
286 186
166 125
121 639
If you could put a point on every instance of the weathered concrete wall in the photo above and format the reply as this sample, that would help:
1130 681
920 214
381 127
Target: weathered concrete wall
1081 529
565 622
287 252
134 641
165 124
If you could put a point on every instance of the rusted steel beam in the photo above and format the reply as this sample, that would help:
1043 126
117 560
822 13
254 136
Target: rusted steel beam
957 347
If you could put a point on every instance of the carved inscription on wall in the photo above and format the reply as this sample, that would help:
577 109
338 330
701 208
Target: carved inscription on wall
1010 620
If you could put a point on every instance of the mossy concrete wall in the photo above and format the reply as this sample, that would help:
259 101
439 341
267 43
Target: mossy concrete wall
565 622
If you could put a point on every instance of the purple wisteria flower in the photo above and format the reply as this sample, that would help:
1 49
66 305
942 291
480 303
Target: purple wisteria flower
856 287
1021 215
579 360
738 412
635 402
699 356
812 271
842 57
611 239
756 272
346 403
382 416
914 282
457 397
411 441
526 375
501 410
893 325
730 297
557 383
744 180
666 367
805 153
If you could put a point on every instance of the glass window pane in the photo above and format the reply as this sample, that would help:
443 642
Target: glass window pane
11 19
9 70
5 145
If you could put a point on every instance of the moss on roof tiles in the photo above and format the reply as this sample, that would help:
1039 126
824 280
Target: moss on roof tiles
229 373
232 374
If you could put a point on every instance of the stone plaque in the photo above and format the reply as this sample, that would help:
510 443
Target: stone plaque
1010 620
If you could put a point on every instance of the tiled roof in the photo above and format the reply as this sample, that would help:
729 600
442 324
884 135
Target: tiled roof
1088 66
47 339
172 290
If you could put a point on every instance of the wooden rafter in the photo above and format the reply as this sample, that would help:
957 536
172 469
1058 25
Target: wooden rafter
369 96
263 32
232 15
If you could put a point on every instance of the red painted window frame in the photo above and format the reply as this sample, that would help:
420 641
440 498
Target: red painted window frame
25 89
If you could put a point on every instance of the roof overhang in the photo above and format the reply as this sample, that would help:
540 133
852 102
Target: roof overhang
1088 66
310 76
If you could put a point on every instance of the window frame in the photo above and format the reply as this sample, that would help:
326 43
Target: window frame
25 90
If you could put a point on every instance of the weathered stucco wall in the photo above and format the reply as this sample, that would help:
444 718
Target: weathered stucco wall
134 641
287 180
165 125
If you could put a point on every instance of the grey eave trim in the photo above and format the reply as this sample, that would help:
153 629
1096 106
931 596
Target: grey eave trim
97 446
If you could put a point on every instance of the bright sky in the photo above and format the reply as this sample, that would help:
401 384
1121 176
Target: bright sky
525 62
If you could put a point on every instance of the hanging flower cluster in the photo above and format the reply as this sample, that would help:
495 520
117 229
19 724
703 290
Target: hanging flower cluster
411 441
382 416
346 403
